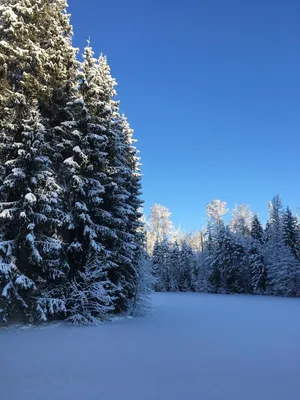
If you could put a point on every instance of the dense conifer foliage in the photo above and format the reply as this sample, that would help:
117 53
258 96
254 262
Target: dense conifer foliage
71 236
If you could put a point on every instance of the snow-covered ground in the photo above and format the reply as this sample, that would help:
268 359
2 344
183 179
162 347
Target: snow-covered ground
195 346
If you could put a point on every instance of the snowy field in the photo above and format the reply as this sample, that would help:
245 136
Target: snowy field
195 346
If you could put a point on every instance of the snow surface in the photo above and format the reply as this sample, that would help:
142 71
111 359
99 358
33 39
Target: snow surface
193 347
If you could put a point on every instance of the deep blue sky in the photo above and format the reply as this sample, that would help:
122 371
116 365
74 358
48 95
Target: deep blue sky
212 89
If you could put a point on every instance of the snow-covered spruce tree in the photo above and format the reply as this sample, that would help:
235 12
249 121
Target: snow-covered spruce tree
145 280
160 266
119 210
135 225
258 268
291 232
186 268
291 241
90 293
30 249
215 210
284 272
228 264
282 264
241 265
256 229
205 264
144 287
173 267
157 259
37 64
100 156
201 282
214 261
36 56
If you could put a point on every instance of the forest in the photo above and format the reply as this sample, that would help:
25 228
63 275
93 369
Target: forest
74 243
240 256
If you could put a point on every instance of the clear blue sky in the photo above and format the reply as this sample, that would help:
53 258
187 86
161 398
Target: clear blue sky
212 89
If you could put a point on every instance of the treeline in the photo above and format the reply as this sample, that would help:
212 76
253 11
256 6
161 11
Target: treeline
239 257
71 236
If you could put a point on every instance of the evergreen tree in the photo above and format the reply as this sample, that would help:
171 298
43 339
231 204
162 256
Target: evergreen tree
291 232
116 197
241 262
215 260
284 271
31 220
36 56
203 269
160 266
37 66
282 264
256 229
210 270
228 264
186 266
102 172
157 261
258 269
90 293
142 302
133 186
173 267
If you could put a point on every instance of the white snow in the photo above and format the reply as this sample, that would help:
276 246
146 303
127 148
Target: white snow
30 198
18 172
70 161
22 214
4 293
5 268
193 347
77 149
6 214
24 282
